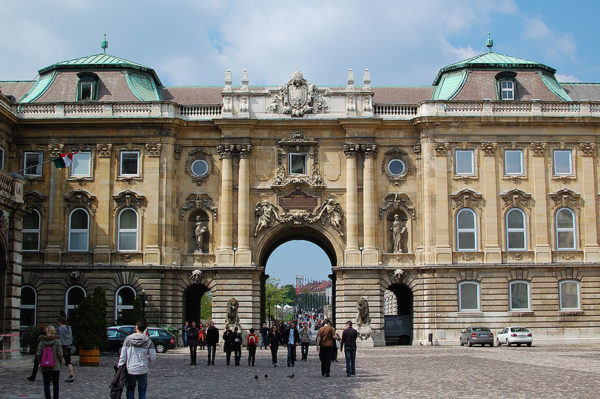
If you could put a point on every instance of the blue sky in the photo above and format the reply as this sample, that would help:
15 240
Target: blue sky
403 43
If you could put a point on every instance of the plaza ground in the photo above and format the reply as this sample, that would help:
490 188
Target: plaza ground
389 372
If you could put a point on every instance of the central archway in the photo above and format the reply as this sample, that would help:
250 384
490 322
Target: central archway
192 302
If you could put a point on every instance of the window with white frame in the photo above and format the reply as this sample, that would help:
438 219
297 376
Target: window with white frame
513 163
129 164
73 298
466 230
464 162
298 163
124 299
516 230
2 158
563 162
82 164
79 230
28 306
468 296
569 292
565 229
31 231
127 230
519 292
507 90
32 163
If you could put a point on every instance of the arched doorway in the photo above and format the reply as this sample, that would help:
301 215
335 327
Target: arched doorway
197 304
398 314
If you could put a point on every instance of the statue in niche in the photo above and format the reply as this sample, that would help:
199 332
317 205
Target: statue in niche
399 234
200 231
267 215
331 212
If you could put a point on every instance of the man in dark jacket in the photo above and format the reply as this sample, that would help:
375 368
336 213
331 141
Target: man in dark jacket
348 346
236 337
193 332
264 335
212 339
292 339
228 343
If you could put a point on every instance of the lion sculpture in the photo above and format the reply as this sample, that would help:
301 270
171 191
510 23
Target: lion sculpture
363 312
232 312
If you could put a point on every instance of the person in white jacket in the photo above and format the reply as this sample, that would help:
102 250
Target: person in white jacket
137 353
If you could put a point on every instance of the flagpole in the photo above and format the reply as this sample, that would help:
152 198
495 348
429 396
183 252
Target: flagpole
41 163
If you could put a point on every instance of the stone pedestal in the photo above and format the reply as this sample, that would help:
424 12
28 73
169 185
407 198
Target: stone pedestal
243 257
365 338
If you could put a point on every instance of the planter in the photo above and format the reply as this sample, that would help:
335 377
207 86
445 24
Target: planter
89 357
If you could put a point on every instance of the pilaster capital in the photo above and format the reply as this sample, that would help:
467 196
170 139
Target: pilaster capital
441 149
104 150
351 150
489 149
538 149
587 149
56 149
370 150
244 150
225 151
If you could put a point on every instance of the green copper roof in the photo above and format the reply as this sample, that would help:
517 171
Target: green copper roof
492 60
99 61
555 87
142 87
450 85
39 88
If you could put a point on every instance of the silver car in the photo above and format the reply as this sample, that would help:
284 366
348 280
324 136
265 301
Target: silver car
476 336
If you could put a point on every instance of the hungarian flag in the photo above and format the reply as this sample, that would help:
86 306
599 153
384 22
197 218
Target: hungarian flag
64 161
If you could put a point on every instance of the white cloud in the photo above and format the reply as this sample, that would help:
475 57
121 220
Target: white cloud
553 44
566 78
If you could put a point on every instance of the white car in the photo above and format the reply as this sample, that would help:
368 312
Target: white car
514 335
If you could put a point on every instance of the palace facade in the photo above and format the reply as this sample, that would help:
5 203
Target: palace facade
474 201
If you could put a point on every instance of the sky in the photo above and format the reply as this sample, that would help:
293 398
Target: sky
403 43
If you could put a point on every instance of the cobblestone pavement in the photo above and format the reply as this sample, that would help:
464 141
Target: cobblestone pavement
390 372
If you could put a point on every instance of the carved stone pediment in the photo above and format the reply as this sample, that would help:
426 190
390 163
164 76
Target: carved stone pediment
81 199
516 198
198 201
282 180
395 201
566 197
466 198
297 97
129 198
297 139
34 199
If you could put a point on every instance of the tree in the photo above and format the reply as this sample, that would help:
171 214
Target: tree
206 306
89 323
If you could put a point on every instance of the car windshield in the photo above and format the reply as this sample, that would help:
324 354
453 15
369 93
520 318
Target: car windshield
519 329
481 329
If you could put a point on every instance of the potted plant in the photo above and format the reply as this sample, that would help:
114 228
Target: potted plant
89 327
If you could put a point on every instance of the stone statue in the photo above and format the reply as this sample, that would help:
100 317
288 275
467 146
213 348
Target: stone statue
199 232
363 317
399 234
232 312
267 215
331 212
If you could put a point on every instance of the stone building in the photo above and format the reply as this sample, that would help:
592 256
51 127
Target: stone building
473 200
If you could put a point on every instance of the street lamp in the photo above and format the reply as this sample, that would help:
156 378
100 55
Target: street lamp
269 309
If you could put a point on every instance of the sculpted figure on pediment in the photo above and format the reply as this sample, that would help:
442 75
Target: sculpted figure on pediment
297 97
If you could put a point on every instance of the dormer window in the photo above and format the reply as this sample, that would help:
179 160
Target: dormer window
507 85
87 87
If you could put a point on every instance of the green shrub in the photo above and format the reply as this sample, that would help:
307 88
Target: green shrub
89 323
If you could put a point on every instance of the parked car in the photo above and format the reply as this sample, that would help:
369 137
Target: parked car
397 329
161 338
476 336
514 335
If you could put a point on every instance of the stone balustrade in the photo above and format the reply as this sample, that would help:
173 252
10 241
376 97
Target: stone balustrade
11 187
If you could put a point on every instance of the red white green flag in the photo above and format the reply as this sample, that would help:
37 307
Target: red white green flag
64 161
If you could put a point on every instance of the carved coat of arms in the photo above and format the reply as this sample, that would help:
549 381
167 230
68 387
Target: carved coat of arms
297 97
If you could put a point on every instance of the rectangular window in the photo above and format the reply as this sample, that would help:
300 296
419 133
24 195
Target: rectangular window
513 162
130 163
297 164
563 162
82 164
569 295
85 90
507 88
1 158
468 296
32 164
519 295
464 163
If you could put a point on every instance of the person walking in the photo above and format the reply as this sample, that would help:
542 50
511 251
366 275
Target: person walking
274 340
184 333
325 347
251 343
237 346
193 334
264 335
305 336
292 338
212 339
228 343
137 353
50 357
36 363
348 346
66 340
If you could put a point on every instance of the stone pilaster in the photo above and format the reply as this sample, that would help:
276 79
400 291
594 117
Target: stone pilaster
589 219
541 238
103 216
439 205
370 254
491 244
225 250
352 254
243 255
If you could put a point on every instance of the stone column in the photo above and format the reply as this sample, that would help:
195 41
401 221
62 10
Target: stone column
242 255
589 220
543 253
370 255
225 250
440 208
491 245
352 254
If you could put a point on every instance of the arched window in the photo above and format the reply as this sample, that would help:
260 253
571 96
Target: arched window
28 306
569 292
516 230
468 296
466 230
519 292
31 231
128 230
73 298
124 298
565 229
79 230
